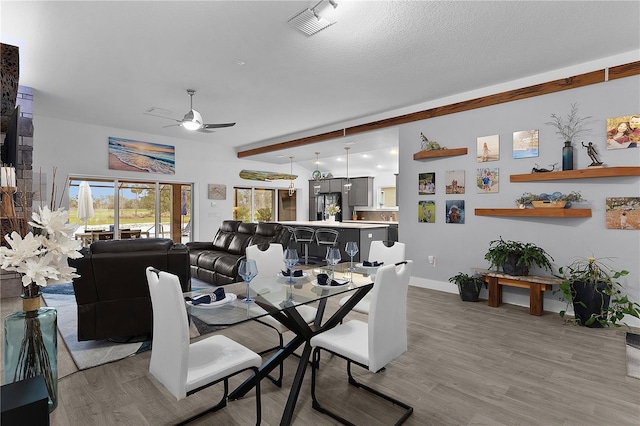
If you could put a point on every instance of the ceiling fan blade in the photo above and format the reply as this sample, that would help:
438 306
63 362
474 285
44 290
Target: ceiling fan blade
162 116
217 126
205 131
172 125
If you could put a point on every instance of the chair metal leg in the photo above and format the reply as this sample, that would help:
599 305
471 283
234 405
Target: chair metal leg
223 402
316 405
278 381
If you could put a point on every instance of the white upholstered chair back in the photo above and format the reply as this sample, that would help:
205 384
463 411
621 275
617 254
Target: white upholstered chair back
270 261
170 350
378 252
388 314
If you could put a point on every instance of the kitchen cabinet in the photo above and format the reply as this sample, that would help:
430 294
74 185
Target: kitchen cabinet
361 193
327 186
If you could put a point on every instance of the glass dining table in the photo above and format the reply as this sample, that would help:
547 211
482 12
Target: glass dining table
276 297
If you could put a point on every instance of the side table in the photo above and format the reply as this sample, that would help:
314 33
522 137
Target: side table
25 402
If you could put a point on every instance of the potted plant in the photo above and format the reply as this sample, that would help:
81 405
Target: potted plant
468 286
596 294
332 210
516 258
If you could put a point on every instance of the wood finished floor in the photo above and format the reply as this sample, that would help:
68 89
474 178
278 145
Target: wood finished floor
467 364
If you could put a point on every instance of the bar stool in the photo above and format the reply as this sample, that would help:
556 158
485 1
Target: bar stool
326 237
305 235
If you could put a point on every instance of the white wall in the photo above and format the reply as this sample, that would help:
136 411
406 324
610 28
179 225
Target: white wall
82 149
460 247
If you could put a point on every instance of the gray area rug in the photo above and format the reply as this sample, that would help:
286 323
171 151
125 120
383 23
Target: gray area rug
92 353
633 355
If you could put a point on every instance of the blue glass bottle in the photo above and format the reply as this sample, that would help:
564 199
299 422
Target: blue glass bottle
567 156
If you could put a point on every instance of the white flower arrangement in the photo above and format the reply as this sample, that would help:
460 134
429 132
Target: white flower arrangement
333 209
42 254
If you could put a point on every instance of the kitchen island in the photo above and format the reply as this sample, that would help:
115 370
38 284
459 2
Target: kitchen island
362 233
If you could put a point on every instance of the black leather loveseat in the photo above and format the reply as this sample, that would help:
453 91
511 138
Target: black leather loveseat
112 292
216 262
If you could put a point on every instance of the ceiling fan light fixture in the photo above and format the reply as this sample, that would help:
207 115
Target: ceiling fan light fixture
192 120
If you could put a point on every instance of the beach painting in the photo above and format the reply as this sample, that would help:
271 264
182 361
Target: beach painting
136 156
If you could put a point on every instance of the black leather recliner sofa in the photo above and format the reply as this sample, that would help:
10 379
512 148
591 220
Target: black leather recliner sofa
217 262
112 292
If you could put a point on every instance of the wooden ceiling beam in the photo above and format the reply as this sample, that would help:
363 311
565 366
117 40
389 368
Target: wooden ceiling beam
581 80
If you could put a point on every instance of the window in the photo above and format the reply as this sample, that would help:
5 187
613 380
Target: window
259 205
134 209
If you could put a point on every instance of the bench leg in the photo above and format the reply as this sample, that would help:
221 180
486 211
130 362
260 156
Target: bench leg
495 292
536 299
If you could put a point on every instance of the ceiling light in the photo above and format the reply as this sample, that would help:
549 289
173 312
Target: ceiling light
333 3
192 120
316 177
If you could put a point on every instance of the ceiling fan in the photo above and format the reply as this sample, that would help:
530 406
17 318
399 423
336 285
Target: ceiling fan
193 119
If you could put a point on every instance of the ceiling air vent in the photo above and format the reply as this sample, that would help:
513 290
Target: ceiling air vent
309 22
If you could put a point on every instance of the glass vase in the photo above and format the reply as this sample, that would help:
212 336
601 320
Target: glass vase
567 156
31 346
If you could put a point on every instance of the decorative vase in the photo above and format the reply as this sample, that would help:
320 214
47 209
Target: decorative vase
31 345
332 218
589 300
567 156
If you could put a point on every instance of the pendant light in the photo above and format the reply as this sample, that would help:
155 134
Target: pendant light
347 186
316 177
292 189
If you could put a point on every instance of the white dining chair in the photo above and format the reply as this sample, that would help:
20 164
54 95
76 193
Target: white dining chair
379 252
270 262
373 344
182 367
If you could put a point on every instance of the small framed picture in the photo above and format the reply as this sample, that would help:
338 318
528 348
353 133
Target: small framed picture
488 180
623 132
426 183
623 213
454 181
455 211
488 148
525 144
427 211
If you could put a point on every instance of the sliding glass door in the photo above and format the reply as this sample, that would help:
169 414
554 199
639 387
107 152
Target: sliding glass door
132 209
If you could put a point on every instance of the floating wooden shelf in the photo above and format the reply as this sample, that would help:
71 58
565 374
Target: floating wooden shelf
435 153
578 174
548 212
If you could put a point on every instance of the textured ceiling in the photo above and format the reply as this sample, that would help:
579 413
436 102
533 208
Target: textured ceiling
106 63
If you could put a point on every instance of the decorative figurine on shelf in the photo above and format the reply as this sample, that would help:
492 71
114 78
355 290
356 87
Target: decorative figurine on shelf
427 145
537 169
593 154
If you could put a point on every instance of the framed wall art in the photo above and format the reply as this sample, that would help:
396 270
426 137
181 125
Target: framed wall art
525 144
454 181
427 211
623 132
146 157
426 183
488 148
488 180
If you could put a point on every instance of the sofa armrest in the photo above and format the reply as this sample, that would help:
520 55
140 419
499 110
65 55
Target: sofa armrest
84 287
200 245
178 263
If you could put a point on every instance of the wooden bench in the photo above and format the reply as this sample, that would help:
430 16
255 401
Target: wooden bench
536 285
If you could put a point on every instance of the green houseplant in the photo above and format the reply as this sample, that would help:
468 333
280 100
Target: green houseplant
596 294
468 286
516 258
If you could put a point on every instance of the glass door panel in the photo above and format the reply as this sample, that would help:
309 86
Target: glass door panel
264 205
242 209
137 208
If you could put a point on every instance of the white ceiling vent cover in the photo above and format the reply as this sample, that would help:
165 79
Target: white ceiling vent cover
307 22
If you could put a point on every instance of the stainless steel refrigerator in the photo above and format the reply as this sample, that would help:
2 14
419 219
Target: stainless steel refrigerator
323 200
